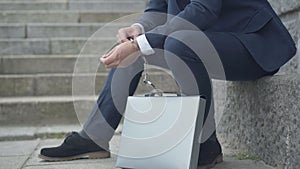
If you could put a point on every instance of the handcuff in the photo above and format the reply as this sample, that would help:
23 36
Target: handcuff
146 80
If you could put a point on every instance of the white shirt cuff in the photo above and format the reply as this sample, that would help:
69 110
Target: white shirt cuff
141 26
144 45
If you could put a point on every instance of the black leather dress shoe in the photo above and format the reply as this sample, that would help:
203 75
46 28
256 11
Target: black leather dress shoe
74 147
210 154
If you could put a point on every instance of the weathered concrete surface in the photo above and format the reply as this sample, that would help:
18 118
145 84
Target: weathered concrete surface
262 117
50 64
66 45
74 5
51 30
12 31
293 25
284 6
40 111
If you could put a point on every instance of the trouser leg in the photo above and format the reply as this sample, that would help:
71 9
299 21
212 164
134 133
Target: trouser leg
190 73
110 106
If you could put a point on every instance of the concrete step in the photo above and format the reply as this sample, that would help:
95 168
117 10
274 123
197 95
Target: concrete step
62 84
48 84
61 0
45 64
41 111
12 30
58 30
61 16
42 46
113 6
53 30
127 5
21 5
52 64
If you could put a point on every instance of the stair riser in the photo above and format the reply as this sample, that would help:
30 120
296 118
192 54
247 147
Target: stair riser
56 1
52 31
41 113
62 85
54 46
53 64
46 85
75 5
59 17
13 31
58 30
32 6
42 65
137 6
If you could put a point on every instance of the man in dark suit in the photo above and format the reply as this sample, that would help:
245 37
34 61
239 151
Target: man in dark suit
248 36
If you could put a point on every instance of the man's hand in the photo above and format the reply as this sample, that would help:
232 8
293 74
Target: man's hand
124 34
122 55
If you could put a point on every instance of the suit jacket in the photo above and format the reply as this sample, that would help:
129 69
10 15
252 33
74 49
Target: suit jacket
253 22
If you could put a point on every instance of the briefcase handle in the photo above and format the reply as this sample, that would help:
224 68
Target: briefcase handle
155 91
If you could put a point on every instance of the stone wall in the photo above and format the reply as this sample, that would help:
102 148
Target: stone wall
262 117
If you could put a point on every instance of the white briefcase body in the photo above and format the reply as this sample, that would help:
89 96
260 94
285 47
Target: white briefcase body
161 132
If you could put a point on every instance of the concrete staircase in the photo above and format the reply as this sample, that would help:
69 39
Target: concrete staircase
39 44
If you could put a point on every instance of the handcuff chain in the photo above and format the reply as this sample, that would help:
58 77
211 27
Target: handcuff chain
146 79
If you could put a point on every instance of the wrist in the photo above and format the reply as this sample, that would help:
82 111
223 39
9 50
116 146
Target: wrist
134 44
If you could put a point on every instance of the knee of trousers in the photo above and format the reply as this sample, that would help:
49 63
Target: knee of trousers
183 43
178 46
185 63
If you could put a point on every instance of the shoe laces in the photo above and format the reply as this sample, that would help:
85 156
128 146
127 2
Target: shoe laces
69 135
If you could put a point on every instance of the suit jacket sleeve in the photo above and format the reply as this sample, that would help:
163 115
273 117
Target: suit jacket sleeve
201 13
154 15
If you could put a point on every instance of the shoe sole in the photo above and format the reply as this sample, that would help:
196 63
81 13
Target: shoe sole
218 160
94 155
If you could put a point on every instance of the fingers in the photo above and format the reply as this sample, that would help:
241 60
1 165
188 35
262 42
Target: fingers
112 65
110 59
109 53
123 35
110 62
107 61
